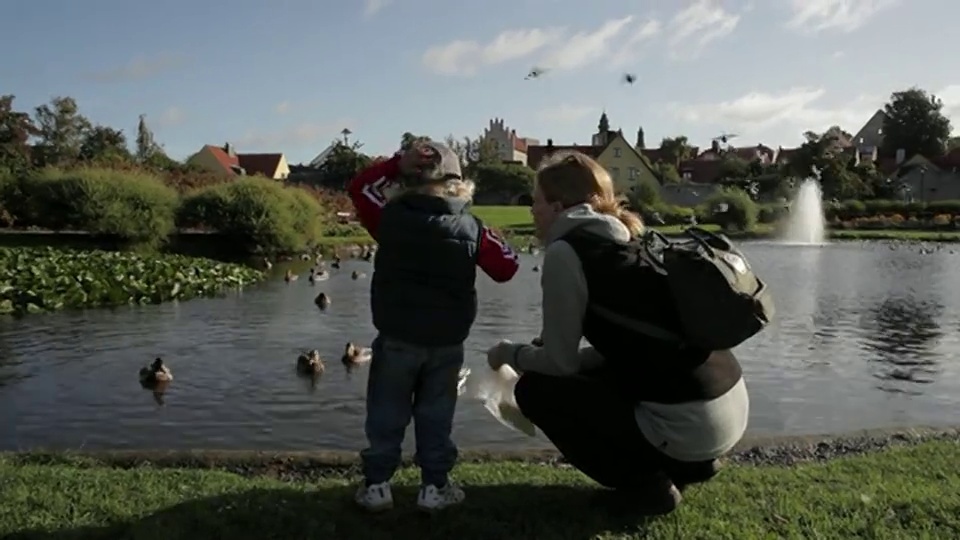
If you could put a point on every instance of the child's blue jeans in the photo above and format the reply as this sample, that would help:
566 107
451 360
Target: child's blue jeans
410 381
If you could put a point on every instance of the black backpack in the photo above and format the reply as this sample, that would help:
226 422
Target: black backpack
719 301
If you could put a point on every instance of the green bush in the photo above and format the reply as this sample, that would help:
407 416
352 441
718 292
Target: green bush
771 213
741 212
131 206
260 214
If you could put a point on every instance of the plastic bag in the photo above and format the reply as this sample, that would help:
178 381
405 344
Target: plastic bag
495 390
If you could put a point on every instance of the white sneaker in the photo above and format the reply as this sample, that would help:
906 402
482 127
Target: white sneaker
433 499
375 498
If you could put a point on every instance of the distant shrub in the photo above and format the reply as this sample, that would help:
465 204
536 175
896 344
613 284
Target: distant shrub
731 208
128 205
260 214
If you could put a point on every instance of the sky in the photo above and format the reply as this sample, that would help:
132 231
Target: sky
287 76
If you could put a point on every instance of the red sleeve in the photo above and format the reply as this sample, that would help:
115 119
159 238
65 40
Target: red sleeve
366 192
496 258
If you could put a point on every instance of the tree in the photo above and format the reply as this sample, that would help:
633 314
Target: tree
503 179
823 155
667 173
102 143
16 128
646 196
675 149
146 145
343 163
61 132
733 167
915 123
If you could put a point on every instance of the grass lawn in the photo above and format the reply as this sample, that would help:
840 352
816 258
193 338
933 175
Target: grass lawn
910 492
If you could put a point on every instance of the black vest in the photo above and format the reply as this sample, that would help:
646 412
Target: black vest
423 288
644 368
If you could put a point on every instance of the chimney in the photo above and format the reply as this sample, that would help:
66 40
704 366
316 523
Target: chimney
549 143
228 148
901 155
715 146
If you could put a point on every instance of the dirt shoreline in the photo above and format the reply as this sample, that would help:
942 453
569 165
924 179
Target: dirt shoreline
771 451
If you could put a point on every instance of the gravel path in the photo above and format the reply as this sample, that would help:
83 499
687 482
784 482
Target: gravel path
773 451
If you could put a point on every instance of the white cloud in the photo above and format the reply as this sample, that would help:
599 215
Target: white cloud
698 25
800 109
282 108
565 113
292 135
641 35
585 47
372 7
171 116
465 57
839 15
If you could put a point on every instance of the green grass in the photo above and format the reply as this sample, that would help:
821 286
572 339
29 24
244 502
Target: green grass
905 492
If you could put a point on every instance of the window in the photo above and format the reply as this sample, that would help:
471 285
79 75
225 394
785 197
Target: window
634 173
615 171
616 152
687 175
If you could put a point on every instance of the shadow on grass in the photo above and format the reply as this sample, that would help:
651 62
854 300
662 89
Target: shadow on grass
490 512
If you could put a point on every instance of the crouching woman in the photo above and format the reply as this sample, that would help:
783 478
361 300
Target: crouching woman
643 416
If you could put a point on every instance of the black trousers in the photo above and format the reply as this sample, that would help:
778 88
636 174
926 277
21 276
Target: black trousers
593 425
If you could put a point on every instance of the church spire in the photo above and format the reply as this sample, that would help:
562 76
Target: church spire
604 125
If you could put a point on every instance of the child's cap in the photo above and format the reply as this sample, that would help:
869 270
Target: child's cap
446 164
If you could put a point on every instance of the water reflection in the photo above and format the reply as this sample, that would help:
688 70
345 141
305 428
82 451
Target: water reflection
68 379
901 335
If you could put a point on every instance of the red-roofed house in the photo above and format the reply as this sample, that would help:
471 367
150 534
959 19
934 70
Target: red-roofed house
224 159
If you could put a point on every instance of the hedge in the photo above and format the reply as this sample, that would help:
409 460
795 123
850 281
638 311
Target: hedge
134 207
258 214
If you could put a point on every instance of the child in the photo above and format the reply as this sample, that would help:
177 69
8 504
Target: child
424 301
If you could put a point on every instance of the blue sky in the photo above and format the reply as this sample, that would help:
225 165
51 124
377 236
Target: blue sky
289 75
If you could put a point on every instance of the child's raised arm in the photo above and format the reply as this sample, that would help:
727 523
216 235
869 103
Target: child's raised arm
367 192
496 258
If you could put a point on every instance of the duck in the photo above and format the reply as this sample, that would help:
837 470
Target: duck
310 363
267 264
357 275
354 355
322 301
290 276
155 373
336 262
536 268
318 274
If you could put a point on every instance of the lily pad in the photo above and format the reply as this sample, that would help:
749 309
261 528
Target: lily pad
34 280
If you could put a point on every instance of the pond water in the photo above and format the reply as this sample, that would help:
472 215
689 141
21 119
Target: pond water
866 336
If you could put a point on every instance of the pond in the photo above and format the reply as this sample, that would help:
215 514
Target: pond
866 336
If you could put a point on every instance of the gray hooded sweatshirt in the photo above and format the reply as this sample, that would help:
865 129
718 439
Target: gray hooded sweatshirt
693 431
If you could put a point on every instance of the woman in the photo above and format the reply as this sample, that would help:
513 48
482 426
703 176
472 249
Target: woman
640 415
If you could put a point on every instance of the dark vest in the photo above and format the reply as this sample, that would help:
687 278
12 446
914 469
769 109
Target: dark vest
643 367
423 287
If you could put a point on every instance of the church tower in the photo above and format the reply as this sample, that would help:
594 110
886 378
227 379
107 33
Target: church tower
603 134
641 143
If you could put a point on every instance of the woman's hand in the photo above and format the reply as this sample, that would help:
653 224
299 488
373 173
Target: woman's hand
500 354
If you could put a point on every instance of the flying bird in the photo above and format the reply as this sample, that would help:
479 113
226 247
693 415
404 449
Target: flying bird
535 73
629 78
725 137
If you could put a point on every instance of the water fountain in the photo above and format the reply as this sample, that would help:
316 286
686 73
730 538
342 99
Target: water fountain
806 223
